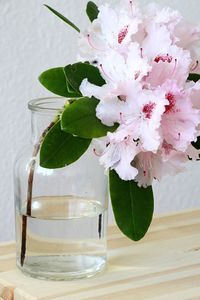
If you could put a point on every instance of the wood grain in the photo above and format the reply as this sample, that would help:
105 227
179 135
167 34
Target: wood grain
165 265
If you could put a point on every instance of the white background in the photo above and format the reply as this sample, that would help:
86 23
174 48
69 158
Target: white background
31 41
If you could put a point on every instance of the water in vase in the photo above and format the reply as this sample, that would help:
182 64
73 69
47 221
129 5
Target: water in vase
65 238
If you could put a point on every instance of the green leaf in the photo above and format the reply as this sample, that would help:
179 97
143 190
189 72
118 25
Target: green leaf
62 17
92 11
132 206
54 80
194 77
80 119
77 72
71 91
197 143
60 149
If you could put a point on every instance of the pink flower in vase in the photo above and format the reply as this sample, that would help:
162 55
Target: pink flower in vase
151 166
113 29
180 119
146 92
119 153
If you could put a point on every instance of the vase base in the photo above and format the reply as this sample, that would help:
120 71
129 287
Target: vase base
63 268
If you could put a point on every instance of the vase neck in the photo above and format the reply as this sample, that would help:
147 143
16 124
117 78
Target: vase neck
43 113
39 123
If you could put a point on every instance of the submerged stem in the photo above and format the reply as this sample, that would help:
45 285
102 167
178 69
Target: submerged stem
30 191
100 225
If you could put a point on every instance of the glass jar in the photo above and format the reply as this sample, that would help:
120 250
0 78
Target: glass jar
61 214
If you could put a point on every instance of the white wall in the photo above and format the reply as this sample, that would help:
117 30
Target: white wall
33 40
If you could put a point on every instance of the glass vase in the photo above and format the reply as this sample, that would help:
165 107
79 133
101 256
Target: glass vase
61 214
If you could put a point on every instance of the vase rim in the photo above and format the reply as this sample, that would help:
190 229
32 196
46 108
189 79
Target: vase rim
47 104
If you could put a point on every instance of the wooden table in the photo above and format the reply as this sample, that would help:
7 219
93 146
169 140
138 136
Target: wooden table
163 266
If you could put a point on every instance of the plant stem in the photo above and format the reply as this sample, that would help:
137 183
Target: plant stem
30 192
100 226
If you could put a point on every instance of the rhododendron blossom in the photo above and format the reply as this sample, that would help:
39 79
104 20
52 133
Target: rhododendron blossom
110 30
145 59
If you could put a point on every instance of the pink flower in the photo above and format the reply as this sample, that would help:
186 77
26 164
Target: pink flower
194 93
151 166
165 16
157 41
180 120
173 64
110 107
116 68
143 116
119 154
112 30
145 60
188 36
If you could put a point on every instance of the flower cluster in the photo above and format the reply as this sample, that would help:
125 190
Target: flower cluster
145 59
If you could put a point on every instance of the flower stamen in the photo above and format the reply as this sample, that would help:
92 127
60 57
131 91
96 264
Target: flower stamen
137 74
122 98
194 67
131 5
103 71
95 152
121 118
136 141
95 62
175 66
91 44
141 53
179 137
